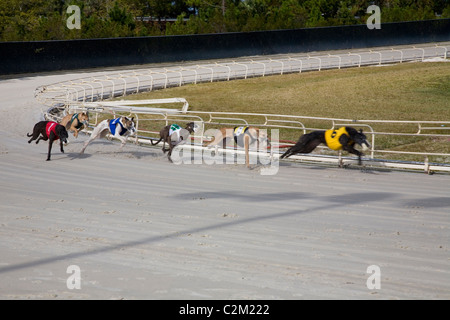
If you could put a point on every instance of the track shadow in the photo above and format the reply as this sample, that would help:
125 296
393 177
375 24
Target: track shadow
245 197
353 198
433 202
155 239
75 155
358 198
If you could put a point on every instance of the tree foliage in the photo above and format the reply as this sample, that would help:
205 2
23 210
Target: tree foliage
27 20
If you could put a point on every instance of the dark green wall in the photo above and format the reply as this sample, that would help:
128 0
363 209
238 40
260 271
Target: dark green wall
26 57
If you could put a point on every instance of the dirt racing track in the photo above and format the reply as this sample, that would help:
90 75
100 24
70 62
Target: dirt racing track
134 226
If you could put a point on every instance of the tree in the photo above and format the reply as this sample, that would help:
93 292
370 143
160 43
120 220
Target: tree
25 20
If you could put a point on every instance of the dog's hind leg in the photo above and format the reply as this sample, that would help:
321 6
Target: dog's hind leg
86 144
288 153
169 142
97 132
34 136
306 144
41 138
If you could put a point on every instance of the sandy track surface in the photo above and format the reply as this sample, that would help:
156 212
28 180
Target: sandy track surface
139 227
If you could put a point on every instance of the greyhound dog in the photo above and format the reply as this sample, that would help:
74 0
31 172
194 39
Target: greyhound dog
243 137
174 135
49 130
75 122
344 138
120 128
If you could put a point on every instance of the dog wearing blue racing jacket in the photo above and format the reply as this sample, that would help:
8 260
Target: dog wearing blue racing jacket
121 128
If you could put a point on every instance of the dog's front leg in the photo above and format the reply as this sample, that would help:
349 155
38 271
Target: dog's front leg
170 152
246 147
61 145
50 143
352 150
123 140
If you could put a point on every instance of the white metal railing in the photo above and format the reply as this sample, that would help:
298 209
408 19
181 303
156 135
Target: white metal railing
303 124
123 83
86 93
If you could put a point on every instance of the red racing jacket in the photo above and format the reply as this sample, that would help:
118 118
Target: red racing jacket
51 126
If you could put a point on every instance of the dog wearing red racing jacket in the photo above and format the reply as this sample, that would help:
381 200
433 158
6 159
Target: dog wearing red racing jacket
49 130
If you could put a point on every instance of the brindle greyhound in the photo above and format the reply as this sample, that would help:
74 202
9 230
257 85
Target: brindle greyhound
75 122
174 135
243 136
344 138
120 128
49 130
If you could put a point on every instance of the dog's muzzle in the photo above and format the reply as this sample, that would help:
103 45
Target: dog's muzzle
365 146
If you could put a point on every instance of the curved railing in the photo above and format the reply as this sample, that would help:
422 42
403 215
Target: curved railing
89 93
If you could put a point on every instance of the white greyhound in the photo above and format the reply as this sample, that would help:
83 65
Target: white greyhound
243 136
120 128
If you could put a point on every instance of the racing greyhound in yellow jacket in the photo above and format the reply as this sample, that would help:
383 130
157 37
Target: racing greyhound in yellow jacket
343 138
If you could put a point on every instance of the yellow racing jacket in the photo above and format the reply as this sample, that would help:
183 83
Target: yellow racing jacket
332 138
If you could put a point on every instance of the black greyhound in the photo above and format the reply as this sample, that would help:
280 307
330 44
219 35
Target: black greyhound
49 130
174 135
342 139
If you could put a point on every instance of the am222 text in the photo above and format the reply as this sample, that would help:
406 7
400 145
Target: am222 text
228 309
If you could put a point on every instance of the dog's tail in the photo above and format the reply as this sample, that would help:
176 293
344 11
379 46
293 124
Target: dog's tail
29 135
154 144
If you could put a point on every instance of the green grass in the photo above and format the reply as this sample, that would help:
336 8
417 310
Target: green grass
408 91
